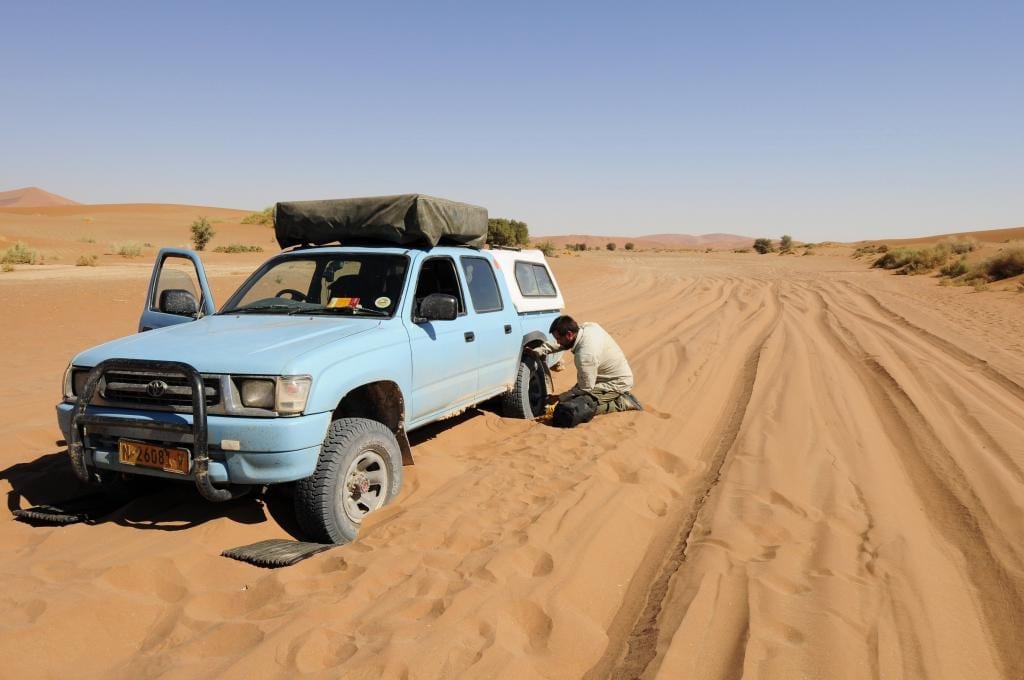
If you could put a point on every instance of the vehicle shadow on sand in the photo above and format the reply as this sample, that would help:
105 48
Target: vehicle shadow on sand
148 503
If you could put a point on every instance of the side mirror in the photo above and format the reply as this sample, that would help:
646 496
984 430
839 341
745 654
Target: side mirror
179 302
438 307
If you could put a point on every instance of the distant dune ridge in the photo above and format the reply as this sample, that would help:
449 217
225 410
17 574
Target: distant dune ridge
654 240
32 197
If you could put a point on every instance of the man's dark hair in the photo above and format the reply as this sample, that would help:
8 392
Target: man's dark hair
563 325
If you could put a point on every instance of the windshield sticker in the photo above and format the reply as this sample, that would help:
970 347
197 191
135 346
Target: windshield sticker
343 302
382 302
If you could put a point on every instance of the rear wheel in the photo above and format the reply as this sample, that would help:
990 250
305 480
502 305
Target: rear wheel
359 471
529 394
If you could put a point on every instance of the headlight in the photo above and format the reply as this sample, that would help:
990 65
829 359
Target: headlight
292 393
68 392
258 393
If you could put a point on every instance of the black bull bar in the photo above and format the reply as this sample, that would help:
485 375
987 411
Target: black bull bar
198 428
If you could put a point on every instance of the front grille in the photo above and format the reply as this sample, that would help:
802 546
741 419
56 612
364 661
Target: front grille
129 387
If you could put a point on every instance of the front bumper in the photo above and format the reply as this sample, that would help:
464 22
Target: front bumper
269 450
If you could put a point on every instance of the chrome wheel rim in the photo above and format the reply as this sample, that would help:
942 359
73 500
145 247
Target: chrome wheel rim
364 486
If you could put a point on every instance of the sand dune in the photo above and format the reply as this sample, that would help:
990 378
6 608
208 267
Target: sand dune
827 482
31 197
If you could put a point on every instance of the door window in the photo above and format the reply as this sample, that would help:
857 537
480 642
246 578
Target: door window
438 276
483 289
177 273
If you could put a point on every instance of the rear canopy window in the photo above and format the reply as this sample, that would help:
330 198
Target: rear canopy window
482 286
534 280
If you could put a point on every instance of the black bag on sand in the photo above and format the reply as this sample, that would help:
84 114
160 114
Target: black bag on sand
571 413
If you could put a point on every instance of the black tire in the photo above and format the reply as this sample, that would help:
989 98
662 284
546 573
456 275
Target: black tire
529 394
359 471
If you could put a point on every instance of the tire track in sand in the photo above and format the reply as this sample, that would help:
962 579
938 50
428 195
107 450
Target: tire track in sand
631 650
957 513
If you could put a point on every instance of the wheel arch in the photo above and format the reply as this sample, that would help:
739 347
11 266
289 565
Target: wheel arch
382 401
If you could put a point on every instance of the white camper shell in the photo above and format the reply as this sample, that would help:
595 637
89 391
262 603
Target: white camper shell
530 281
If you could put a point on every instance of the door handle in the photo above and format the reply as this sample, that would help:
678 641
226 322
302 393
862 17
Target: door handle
470 337
508 329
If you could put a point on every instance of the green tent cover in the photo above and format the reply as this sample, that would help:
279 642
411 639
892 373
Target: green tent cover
407 219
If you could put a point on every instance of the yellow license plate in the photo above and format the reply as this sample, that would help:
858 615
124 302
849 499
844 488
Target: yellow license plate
131 452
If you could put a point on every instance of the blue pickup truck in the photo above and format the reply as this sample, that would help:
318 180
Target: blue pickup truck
312 373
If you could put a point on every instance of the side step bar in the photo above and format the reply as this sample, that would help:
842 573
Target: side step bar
198 429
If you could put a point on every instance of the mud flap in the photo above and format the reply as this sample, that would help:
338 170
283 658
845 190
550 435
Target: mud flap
276 552
85 509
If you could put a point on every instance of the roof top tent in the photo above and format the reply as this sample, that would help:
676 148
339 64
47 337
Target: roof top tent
412 220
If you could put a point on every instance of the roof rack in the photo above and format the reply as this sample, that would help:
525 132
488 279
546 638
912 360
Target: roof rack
515 248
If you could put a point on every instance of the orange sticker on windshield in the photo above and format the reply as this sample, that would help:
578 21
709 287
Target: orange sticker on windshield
343 302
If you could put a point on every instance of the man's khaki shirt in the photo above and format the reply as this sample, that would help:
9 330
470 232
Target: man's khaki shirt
600 364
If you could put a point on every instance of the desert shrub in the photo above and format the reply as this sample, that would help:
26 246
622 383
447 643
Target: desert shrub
914 260
764 245
202 232
238 248
871 250
548 248
610 246
786 243
8 267
741 250
954 269
87 239
129 249
980 285
147 244
505 232
1004 264
20 253
86 261
808 252
265 216
963 246
630 245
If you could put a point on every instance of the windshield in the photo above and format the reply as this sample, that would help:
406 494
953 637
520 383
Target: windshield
356 284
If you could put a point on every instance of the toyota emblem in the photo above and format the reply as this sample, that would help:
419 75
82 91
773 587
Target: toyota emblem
156 388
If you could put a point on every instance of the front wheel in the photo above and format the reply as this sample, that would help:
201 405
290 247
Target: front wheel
529 394
359 471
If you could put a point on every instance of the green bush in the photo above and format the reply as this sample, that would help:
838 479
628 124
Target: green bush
129 249
505 232
86 261
548 248
764 245
20 253
955 269
238 248
265 216
202 232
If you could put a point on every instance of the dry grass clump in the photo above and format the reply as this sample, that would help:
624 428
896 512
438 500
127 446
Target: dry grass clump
955 269
128 249
871 250
238 248
962 246
915 260
8 267
86 261
20 253
1004 264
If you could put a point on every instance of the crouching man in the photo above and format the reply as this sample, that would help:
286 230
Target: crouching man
602 371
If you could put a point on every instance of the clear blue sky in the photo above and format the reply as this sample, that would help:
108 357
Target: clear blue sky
825 120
